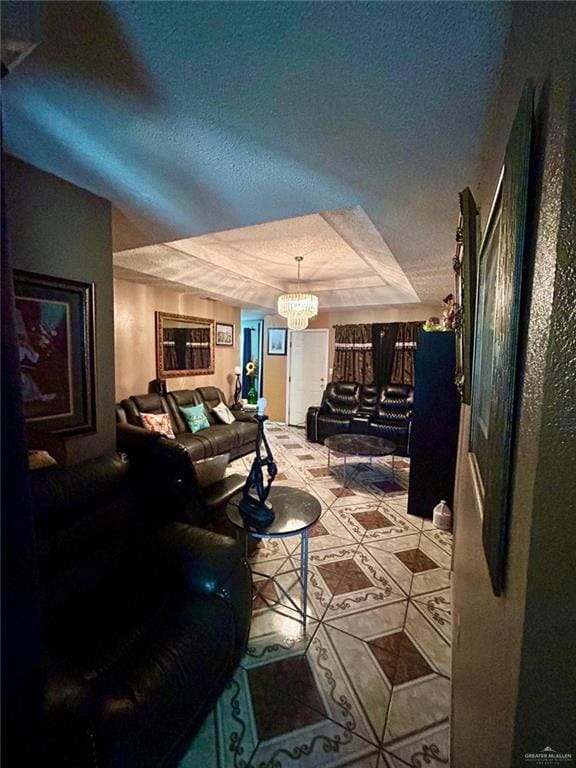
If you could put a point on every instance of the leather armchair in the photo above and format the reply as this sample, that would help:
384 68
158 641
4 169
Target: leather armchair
197 490
365 409
145 619
340 403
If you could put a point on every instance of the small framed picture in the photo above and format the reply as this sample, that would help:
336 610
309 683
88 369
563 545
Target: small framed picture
55 330
277 341
224 335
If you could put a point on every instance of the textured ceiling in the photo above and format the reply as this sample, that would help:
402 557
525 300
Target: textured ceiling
198 117
346 263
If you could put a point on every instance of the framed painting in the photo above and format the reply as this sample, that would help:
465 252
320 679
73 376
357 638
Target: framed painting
465 292
497 348
55 331
224 335
277 341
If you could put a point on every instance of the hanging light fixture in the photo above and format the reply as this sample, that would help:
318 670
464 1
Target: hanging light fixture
298 307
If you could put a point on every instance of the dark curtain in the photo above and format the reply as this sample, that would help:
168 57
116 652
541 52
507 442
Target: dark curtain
384 337
197 349
180 336
246 357
353 359
170 357
403 365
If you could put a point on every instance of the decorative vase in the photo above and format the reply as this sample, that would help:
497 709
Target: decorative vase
252 395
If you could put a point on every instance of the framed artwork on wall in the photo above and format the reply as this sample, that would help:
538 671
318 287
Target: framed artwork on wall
55 332
224 335
497 349
277 341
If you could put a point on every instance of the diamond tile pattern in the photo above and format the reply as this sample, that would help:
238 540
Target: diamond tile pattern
372 520
343 576
416 560
399 658
367 684
342 492
277 714
318 530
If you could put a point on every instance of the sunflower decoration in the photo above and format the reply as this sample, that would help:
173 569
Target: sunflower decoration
251 372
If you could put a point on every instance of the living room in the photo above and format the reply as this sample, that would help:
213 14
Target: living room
207 178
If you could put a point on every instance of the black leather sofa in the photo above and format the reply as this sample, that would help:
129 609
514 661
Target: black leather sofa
237 439
363 409
145 619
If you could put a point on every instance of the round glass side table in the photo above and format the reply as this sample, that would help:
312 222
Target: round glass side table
296 511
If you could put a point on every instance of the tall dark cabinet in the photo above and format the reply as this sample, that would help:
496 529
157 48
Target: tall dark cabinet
434 435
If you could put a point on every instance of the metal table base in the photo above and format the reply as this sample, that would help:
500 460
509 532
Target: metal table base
302 572
295 512
344 455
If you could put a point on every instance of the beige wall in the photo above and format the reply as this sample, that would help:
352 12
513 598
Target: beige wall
274 388
134 308
487 630
275 368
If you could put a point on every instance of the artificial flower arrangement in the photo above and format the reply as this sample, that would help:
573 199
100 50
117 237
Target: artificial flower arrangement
252 372
447 321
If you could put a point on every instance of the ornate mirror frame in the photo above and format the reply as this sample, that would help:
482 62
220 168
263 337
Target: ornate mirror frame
163 322
464 264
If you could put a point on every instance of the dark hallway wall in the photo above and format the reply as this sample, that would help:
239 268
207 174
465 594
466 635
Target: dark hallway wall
512 692
58 229
546 708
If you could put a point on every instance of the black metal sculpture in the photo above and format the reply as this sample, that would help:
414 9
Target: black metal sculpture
237 387
254 506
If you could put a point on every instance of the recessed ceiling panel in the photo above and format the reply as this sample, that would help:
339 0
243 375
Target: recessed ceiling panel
345 262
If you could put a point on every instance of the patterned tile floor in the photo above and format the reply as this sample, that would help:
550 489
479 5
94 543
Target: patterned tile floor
368 684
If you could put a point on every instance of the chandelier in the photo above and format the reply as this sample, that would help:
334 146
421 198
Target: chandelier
298 307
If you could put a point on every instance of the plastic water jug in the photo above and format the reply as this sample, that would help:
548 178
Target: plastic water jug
442 517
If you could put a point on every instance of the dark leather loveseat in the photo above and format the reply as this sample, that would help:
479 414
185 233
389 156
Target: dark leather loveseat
237 439
145 619
363 409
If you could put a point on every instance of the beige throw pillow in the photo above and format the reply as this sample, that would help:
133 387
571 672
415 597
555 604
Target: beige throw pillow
224 413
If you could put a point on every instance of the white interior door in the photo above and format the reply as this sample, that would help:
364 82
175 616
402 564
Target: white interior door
307 372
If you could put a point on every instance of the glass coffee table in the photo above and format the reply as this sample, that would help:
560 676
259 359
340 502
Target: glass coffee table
295 513
367 446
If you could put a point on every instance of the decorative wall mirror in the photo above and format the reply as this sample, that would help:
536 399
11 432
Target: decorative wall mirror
184 345
464 264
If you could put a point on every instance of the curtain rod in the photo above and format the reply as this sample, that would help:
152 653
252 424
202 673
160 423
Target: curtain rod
390 322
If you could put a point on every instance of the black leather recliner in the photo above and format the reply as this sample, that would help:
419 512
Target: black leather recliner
198 490
363 409
145 619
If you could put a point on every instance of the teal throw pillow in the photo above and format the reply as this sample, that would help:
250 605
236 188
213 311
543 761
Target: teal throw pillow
195 417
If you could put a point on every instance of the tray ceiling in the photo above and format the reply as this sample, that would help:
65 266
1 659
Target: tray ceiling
346 263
